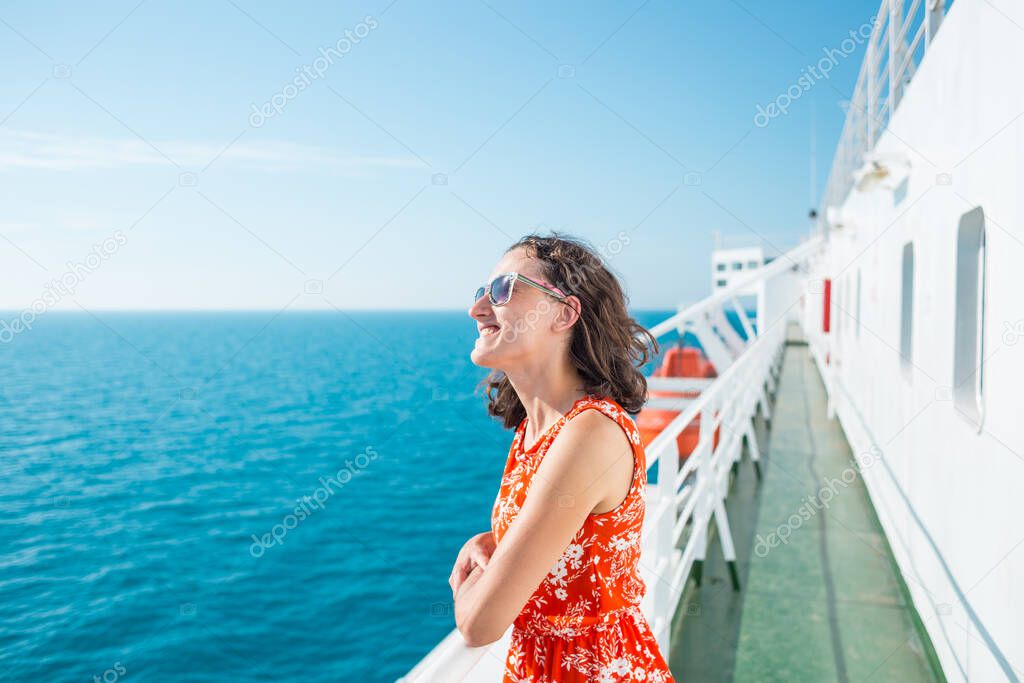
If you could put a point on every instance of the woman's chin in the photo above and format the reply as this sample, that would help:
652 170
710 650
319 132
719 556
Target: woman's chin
484 353
481 357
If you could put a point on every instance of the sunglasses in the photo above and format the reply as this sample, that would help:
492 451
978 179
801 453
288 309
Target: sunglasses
499 290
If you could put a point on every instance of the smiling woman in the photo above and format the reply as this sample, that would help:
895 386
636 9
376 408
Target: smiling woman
560 563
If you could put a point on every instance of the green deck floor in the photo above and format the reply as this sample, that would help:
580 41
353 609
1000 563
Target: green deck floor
827 605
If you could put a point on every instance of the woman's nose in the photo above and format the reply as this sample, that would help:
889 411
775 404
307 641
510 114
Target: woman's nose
479 308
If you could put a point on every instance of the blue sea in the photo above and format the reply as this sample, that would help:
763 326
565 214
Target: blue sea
237 496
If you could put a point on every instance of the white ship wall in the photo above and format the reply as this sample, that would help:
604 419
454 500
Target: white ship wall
783 298
950 498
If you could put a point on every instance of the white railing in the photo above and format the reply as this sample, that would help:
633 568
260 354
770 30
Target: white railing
902 32
685 500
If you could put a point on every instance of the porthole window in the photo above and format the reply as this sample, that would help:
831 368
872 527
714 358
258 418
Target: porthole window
856 313
907 308
969 334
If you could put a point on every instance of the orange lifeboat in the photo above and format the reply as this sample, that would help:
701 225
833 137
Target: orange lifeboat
679 361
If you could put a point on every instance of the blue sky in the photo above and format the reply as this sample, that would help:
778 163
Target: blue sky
437 135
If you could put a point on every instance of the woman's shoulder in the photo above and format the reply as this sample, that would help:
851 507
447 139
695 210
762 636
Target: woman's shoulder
600 438
609 407
603 419
594 427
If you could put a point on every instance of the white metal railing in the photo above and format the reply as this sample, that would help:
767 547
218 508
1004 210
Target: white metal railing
724 297
686 498
902 32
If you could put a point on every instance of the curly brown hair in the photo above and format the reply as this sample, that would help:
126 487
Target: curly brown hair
608 347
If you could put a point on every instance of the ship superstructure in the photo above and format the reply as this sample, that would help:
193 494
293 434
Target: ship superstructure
871 374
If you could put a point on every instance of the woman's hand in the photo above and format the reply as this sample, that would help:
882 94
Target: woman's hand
475 553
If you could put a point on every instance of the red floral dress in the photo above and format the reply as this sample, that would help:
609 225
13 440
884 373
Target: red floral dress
583 623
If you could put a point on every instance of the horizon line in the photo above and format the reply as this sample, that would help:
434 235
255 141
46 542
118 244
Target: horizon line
84 311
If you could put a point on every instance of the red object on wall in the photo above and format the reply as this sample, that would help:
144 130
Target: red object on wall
826 318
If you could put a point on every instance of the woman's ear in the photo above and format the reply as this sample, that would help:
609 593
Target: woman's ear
569 313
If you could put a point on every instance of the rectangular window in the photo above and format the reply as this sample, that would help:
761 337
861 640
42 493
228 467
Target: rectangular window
720 266
846 303
969 334
753 264
838 291
857 310
720 283
837 316
907 307
737 266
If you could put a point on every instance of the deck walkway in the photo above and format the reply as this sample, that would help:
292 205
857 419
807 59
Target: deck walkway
827 604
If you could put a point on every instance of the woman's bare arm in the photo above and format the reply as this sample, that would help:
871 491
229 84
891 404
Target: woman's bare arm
585 463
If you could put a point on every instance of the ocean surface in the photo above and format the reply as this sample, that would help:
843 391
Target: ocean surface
237 496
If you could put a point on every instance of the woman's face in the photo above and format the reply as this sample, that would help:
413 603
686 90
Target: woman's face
531 325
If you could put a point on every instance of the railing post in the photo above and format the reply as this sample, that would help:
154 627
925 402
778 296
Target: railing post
704 489
761 296
871 64
667 512
933 13
895 53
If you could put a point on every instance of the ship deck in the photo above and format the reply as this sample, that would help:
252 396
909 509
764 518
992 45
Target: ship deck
829 603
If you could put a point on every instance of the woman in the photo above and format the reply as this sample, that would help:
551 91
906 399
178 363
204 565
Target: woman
560 561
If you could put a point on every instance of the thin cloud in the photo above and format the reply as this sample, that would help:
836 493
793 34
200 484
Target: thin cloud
62 152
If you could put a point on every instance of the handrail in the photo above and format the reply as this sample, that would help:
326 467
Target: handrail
695 406
889 61
784 262
728 404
